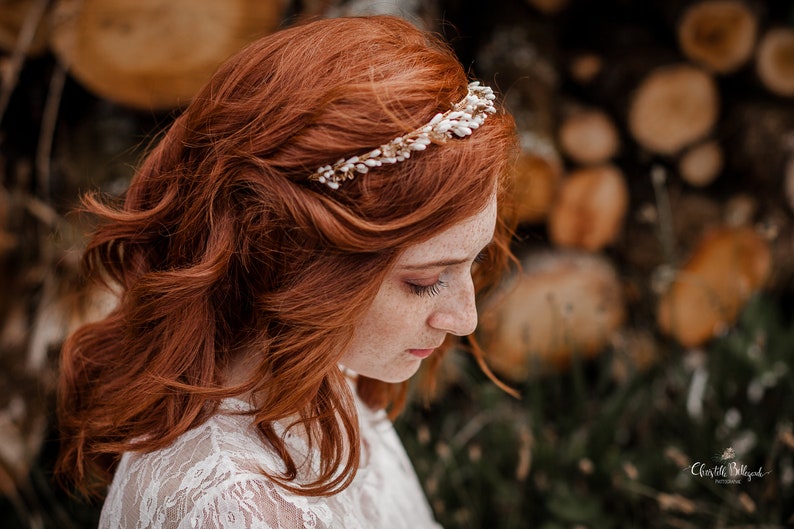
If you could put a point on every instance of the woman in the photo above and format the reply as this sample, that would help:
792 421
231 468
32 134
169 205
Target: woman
274 301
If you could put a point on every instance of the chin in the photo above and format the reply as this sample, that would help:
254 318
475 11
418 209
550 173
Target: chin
393 377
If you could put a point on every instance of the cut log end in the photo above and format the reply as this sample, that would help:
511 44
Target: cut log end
775 61
154 54
728 266
585 67
673 107
589 137
590 208
563 304
718 34
549 7
701 164
536 180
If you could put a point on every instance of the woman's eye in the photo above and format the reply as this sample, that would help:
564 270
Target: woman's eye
427 290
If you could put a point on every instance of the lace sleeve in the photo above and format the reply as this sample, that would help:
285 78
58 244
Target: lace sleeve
209 478
253 504
212 477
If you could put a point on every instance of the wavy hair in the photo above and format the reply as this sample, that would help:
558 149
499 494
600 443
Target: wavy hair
222 246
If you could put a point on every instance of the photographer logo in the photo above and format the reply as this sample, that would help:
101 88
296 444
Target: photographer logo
725 470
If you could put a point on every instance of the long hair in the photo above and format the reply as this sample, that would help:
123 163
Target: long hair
223 247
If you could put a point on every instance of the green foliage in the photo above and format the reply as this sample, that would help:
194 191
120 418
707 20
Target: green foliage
585 449
588 449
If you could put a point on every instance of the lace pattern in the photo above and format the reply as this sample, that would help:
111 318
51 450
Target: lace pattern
210 478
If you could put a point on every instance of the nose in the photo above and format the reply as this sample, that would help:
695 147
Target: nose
456 313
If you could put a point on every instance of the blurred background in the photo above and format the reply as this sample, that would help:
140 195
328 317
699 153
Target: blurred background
649 331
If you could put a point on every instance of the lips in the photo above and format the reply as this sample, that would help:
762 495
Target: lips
421 353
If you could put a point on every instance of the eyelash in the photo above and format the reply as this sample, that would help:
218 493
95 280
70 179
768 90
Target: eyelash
429 290
435 288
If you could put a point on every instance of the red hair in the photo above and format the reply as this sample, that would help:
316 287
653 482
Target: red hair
222 245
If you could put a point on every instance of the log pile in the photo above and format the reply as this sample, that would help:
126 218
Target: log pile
669 130
654 188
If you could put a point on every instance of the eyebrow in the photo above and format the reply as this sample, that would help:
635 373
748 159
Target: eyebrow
443 262
434 264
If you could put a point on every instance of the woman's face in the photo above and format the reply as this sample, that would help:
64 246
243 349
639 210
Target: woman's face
427 294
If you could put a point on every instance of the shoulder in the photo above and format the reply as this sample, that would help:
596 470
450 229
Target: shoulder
225 445
250 503
210 477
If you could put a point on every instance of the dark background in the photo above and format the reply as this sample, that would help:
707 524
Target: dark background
598 441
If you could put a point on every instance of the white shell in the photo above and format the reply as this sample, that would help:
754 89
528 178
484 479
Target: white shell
464 117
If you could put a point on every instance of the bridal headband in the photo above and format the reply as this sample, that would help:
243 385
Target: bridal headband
464 117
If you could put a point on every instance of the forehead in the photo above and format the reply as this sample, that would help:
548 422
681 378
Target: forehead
460 241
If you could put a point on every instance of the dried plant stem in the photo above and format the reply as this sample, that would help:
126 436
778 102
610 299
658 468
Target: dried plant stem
42 211
10 73
463 436
665 212
48 122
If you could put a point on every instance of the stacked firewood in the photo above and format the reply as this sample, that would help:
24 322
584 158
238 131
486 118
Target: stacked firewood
654 187
644 128
655 179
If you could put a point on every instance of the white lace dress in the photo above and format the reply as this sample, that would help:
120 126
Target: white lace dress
208 478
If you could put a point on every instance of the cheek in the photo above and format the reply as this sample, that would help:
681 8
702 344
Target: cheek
393 314
384 320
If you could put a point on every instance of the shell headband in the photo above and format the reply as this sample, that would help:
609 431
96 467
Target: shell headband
465 116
